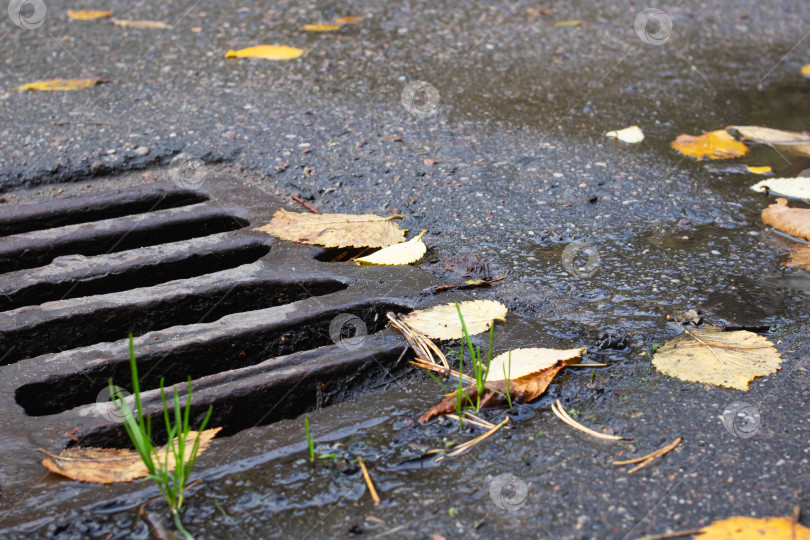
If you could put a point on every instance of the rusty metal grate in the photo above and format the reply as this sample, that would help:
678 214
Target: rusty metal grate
256 323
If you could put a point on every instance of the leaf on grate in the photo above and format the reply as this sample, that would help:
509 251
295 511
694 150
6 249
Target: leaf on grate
792 188
630 135
521 363
711 145
149 25
526 390
747 528
60 84
788 141
402 253
793 221
268 52
109 465
88 14
442 322
335 230
709 355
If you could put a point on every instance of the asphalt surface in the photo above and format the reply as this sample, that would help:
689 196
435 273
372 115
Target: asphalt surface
503 158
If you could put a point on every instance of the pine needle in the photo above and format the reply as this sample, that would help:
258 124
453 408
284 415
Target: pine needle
562 415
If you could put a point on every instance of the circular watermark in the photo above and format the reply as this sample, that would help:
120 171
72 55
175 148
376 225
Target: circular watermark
653 26
28 14
420 99
741 419
111 408
342 15
348 331
508 492
734 106
581 259
187 171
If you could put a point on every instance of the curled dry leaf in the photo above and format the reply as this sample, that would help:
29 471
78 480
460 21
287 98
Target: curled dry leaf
442 322
630 135
711 145
402 253
149 25
792 188
747 528
60 84
788 141
109 465
521 363
793 221
709 355
525 390
335 230
268 52
88 14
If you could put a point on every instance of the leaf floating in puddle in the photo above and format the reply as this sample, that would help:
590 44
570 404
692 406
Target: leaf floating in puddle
149 25
335 230
442 322
88 14
789 141
709 355
109 465
398 254
748 528
521 363
711 145
793 221
268 52
792 188
758 170
61 84
630 135
806 71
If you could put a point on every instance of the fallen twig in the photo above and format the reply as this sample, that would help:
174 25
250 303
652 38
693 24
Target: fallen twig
562 415
371 490
87 123
467 285
305 204
646 460
676 534
469 444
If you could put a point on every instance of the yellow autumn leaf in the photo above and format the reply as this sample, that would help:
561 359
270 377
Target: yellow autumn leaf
709 355
758 170
348 20
788 141
519 363
108 465
88 14
149 25
748 528
793 188
630 135
806 71
711 145
60 84
442 322
268 52
320 27
398 254
793 221
335 230
567 23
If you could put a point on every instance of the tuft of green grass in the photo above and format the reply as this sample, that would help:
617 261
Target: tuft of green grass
480 371
507 378
171 483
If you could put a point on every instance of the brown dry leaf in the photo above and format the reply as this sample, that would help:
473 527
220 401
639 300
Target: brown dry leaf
88 14
61 84
150 25
800 257
524 390
793 221
711 145
267 52
442 322
747 528
709 355
109 465
335 230
788 141
521 363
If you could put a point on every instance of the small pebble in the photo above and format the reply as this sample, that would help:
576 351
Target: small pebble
141 150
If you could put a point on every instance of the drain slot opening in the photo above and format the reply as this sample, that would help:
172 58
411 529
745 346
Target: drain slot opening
110 323
73 212
197 359
146 275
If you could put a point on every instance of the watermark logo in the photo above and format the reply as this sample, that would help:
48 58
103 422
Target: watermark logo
653 26
420 99
348 331
741 419
28 14
111 408
341 15
734 106
508 492
581 259
187 171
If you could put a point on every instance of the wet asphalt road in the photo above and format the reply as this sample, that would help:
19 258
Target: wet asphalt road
507 160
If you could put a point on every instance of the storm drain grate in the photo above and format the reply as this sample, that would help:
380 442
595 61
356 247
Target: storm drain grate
256 323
